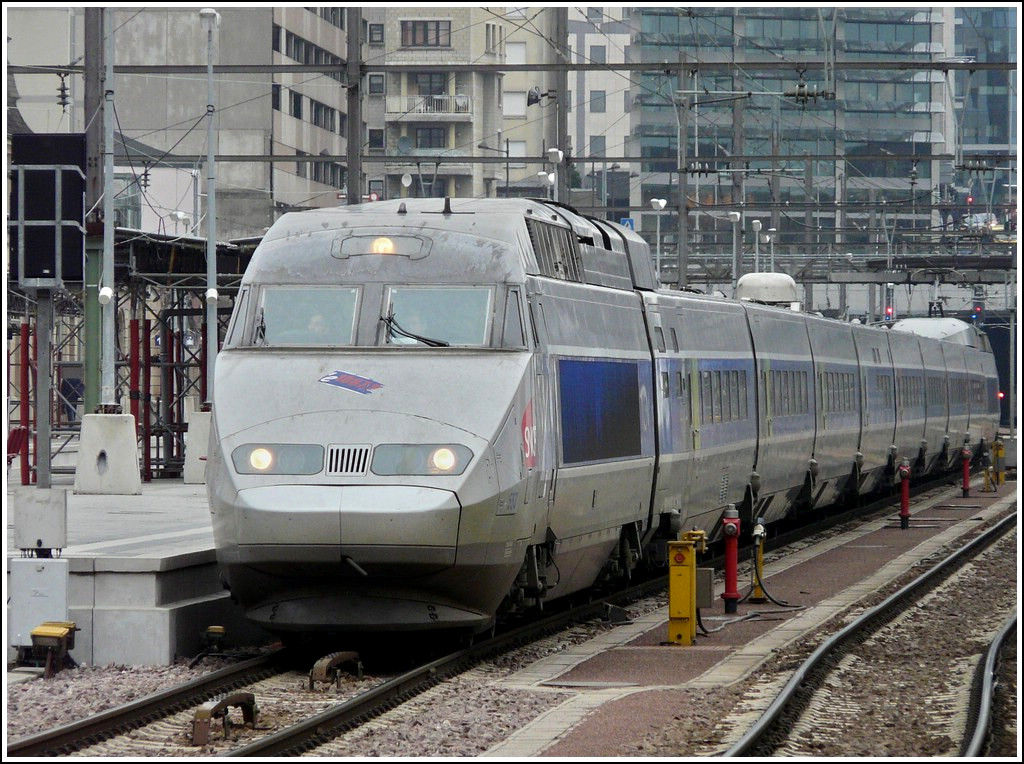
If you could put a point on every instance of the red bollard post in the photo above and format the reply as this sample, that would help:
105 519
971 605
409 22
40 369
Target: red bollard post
731 531
905 494
966 456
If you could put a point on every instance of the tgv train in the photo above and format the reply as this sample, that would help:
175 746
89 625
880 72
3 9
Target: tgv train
432 411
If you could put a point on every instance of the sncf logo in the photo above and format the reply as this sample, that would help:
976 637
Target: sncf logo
352 382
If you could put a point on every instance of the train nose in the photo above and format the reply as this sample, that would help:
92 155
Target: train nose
411 528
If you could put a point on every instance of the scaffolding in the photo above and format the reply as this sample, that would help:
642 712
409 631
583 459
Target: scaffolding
160 358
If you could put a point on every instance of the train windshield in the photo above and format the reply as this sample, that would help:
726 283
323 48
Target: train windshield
307 316
437 316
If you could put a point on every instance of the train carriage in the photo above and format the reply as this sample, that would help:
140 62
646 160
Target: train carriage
431 412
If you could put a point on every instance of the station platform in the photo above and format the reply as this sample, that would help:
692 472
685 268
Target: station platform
142 582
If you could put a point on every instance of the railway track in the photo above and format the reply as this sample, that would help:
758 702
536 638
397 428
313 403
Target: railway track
870 687
291 718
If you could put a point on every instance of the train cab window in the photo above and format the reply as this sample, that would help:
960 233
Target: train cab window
664 384
675 339
437 316
680 384
234 333
304 315
512 335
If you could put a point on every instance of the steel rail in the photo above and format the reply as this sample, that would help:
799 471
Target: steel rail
809 675
107 724
979 734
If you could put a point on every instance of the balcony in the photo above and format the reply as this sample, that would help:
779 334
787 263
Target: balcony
445 108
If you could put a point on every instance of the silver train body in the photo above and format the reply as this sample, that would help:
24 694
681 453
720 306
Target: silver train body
502 407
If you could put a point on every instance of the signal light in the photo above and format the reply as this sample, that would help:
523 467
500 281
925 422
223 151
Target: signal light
1000 395
888 312
970 199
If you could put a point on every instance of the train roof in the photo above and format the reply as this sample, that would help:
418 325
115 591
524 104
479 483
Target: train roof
610 254
949 329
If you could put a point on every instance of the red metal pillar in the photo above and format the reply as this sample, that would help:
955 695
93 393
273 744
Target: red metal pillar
133 371
35 388
147 382
905 494
731 531
25 340
965 455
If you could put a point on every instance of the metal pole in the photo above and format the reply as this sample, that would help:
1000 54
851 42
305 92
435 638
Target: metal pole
354 181
658 249
94 189
107 392
212 19
506 167
25 397
682 259
44 327
737 221
756 225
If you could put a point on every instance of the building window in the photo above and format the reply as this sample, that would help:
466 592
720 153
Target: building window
323 116
515 53
515 104
426 34
598 54
517 149
331 14
275 96
300 167
432 83
430 138
376 187
597 145
597 101
376 138
594 14
375 84
375 34
295 100
275 43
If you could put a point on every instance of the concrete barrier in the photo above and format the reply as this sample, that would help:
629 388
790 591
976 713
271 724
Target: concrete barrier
108 455
197 443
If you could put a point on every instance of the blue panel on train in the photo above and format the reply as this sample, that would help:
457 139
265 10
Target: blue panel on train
600 410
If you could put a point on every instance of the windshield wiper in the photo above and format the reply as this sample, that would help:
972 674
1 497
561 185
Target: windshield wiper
261 331
395 330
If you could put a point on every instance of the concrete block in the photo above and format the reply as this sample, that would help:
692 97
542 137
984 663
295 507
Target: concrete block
38 590
108 456
197 442
41 519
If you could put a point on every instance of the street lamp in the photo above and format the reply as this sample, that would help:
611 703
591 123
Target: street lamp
506 152
771 245
735 217
211 20
658 205
756 225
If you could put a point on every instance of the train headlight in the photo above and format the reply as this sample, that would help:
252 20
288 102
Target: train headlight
443 459
260 459
278 459
404 459
382 245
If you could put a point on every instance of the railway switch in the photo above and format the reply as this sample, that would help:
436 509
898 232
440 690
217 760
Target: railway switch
731 531
682 587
